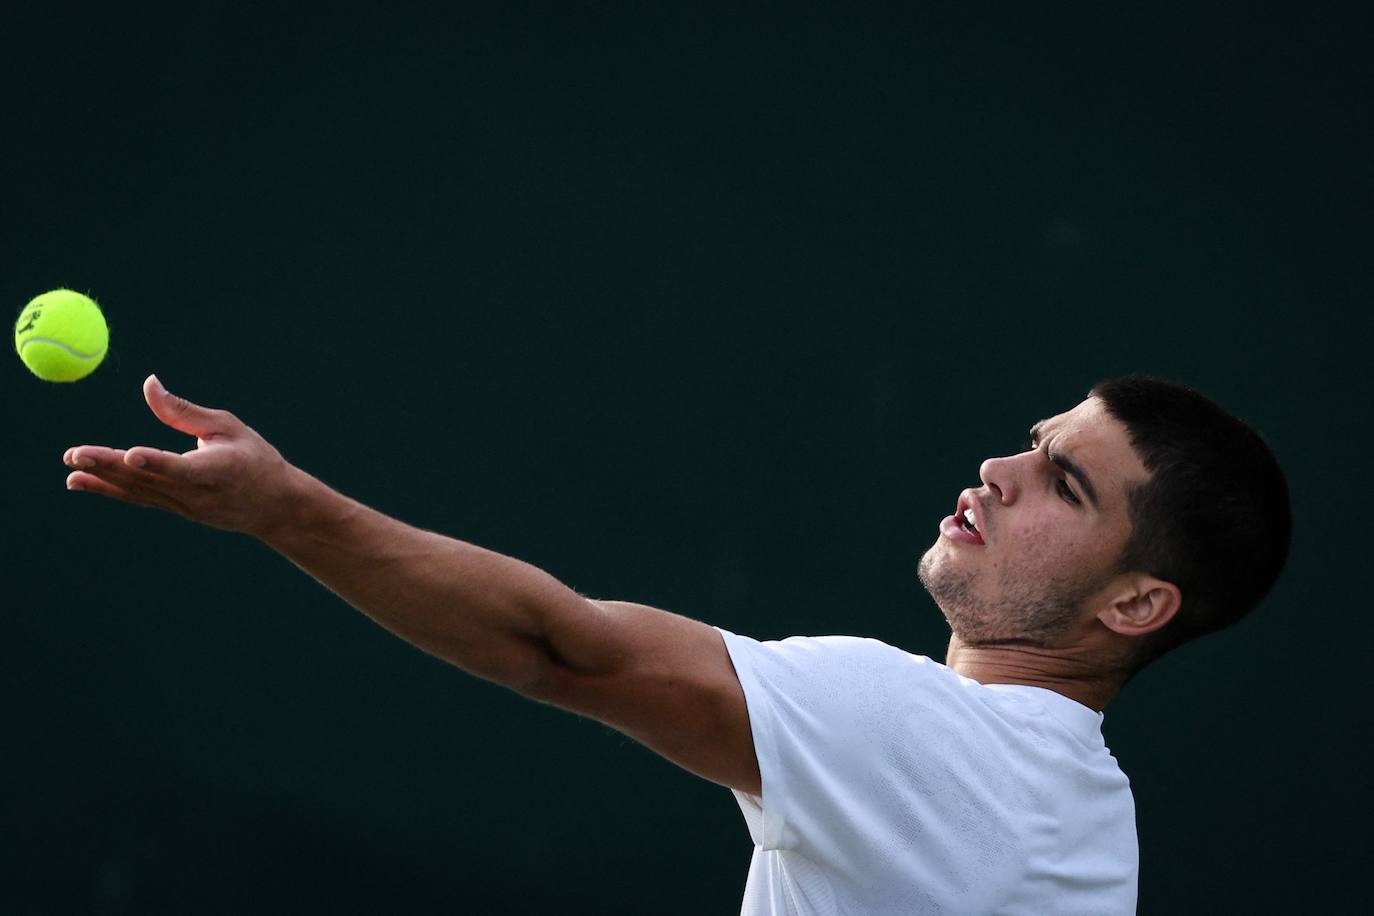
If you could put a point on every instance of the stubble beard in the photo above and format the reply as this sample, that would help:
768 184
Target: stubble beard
1026 610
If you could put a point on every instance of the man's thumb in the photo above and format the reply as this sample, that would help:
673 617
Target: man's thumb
181 414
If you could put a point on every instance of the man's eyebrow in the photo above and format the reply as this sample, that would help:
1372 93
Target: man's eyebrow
1067 464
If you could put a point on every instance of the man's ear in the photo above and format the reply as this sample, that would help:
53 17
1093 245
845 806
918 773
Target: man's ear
1140 604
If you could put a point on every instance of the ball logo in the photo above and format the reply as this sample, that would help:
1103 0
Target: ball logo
33 319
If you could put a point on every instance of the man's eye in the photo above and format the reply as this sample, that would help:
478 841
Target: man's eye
1067 491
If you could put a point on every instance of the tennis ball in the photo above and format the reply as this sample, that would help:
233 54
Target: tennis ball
61 336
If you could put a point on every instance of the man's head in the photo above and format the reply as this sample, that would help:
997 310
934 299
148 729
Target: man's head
1142 518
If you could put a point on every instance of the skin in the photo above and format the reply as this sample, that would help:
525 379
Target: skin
1042 603
662 679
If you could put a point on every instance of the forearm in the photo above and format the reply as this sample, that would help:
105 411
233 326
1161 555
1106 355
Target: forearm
489 614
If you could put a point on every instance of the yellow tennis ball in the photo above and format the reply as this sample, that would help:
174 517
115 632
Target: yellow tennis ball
61 336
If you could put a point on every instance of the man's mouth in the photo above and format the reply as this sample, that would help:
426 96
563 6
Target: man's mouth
966 520
958 529
967 515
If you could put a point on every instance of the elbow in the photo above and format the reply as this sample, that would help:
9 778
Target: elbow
532 667
517 662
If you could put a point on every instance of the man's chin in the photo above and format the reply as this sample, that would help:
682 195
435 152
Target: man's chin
996 642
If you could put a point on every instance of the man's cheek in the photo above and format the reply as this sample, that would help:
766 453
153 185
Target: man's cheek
1039 547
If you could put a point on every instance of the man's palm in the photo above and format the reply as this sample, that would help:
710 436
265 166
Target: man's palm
234 479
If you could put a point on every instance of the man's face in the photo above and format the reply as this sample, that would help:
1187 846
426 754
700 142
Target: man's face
1048 550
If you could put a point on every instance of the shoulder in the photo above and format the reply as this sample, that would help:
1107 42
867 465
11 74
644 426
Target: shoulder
835 669
823 650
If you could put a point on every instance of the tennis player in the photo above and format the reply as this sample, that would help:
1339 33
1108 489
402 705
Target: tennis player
872 780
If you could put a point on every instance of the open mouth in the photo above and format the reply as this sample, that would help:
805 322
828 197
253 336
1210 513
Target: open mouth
966 522
962 526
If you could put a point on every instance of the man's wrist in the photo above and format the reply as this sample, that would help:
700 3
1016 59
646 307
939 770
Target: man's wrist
295 506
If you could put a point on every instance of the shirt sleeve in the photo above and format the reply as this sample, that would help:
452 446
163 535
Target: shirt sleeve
817 708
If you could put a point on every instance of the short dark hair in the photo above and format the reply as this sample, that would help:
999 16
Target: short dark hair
1214 518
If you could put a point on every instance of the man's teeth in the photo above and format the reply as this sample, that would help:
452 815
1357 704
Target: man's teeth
968 517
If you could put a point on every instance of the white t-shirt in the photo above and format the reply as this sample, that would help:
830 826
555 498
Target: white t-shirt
893 785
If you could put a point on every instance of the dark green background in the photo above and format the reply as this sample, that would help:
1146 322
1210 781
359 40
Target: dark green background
709 309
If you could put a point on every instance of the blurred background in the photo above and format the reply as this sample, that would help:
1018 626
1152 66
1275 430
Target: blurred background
711 309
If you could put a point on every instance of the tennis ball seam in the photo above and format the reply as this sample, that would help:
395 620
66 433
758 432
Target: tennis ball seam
57 343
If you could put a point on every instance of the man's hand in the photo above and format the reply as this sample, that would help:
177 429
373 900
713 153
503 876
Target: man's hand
232 480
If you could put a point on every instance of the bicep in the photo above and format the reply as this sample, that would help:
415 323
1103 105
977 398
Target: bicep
666 681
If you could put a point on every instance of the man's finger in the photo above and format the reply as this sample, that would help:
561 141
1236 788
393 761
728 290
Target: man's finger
92 456
182 415
157 461
85 482
113 465
100 457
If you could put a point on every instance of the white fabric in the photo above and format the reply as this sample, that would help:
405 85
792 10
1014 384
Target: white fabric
894 785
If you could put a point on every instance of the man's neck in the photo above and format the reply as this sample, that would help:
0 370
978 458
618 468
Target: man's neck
1066 671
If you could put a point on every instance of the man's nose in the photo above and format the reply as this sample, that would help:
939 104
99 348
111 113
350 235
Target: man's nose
998 475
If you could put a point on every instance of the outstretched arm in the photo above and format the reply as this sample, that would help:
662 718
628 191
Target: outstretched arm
665 680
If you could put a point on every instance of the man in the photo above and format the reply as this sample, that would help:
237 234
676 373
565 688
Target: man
873 781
